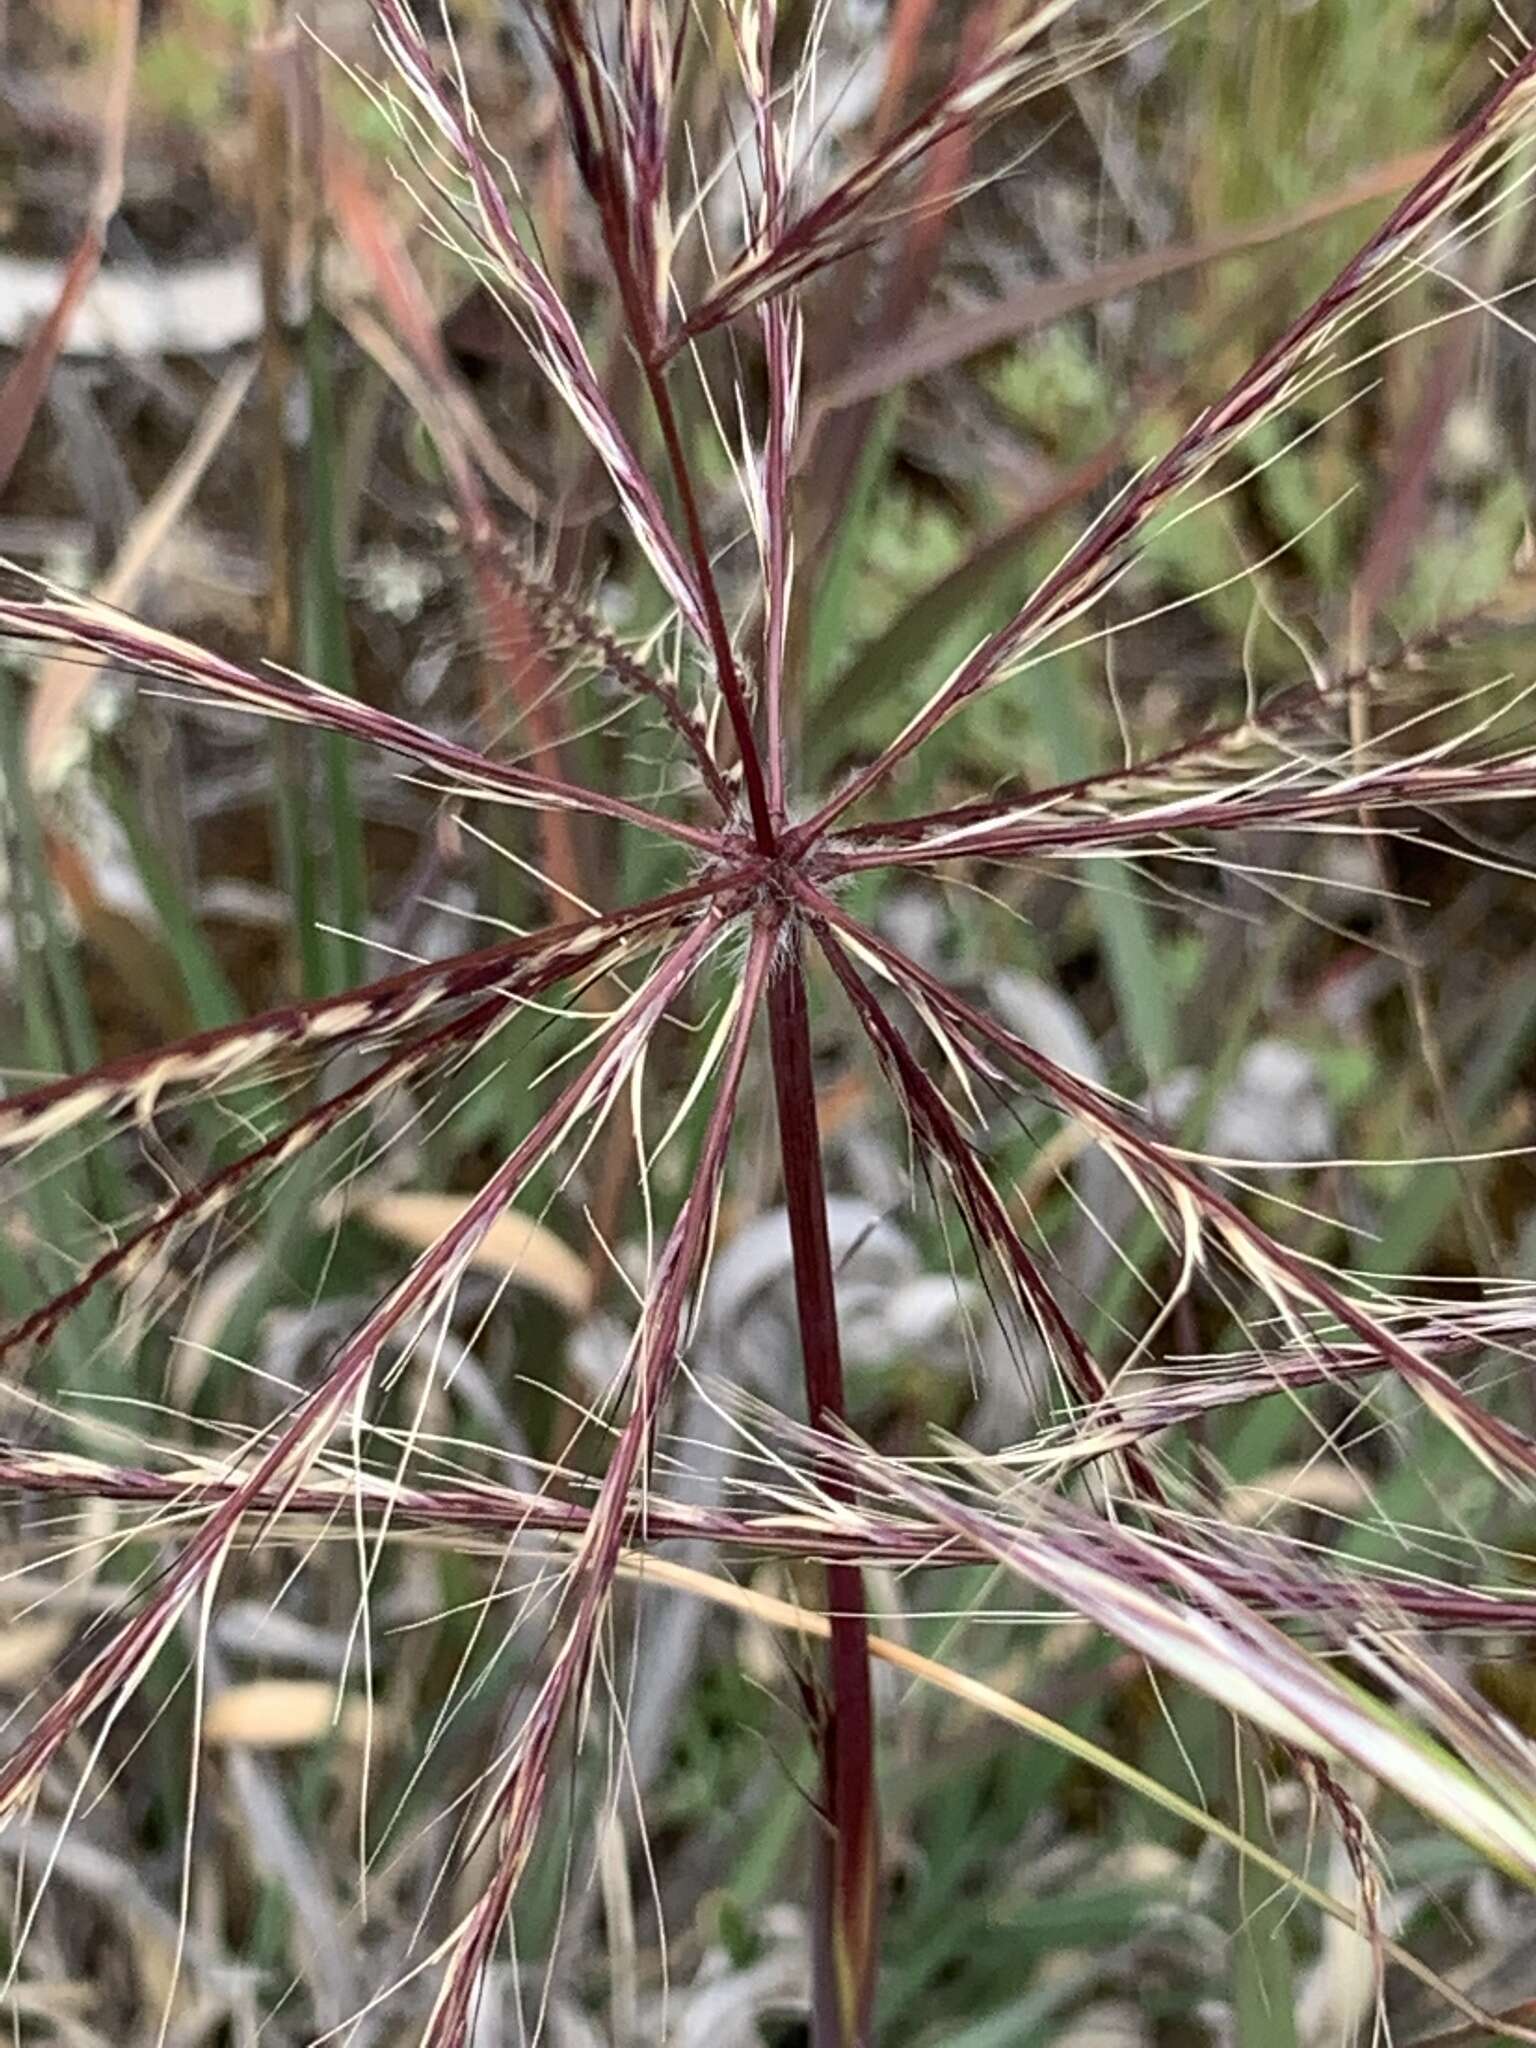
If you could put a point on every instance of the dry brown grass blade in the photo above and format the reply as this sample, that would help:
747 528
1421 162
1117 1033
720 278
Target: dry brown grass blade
23 389
1513 2024
378 342
518 1246
943 343
28 1649
22 392
63 684
413 334
280 1713
276 1848
130 947
911 21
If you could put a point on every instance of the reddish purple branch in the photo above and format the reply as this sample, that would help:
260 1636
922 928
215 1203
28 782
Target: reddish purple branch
122 1661
1293 1586
938 1129
354 1018
598 159
846 1956
1500 1444
513 1811
133 649
1094 562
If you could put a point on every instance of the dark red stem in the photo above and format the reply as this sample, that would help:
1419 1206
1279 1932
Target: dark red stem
845 1930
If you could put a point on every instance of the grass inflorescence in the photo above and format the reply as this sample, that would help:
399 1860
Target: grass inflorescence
711 855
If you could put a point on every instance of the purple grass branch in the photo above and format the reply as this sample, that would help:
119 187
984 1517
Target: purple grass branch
1298 1589
783 332
620 129
120 1665
1291 1580
551 330
846 1929
209 1198
938 1130
591 126
646 65
1209 753
358 1017
1096 561
125 644
1287 797
1142 1413
512 1814
1448 1332
1003 77
727 671
566 625
1204 763
783 341
1286 1277
1173 1612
